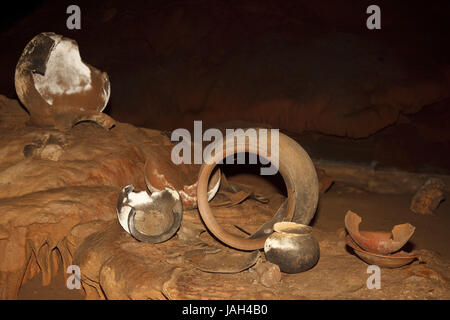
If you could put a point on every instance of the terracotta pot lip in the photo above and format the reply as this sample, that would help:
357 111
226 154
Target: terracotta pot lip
292 228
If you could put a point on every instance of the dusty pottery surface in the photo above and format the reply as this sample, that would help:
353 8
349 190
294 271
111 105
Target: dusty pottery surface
288 159
161 172
292 247
150 218
57 87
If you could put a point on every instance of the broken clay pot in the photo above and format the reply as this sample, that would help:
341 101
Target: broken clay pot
292 247
396 260
221 260
294 165
58 89
151 219
160 172
378 241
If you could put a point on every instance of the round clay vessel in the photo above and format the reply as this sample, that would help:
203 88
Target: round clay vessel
290 160
292 247
57 87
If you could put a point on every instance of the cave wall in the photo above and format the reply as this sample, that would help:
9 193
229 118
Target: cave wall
292 65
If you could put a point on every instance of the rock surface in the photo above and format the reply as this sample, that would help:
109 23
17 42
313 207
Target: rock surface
50 182
428 197
295 65
269 274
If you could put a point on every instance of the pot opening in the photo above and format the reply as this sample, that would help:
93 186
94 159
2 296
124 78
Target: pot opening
292 228
242 166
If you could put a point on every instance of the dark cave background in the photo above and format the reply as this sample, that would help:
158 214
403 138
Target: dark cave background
312 69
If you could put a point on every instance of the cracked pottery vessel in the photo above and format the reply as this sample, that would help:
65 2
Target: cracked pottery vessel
57 88
395 260
378 242
291 161
151 218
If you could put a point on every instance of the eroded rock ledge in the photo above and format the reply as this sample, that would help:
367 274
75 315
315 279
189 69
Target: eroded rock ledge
51 182
57 207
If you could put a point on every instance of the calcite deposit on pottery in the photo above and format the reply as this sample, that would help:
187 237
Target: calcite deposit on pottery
151 218
160 172
57 87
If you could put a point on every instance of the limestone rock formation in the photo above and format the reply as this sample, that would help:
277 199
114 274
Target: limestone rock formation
427 199
58 194
52 181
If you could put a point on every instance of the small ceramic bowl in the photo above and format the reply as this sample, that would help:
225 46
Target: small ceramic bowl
292 247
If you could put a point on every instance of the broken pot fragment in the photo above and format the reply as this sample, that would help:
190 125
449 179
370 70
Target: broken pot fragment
57 88
151 219
378 241
396 260
221 260
294 165
161 172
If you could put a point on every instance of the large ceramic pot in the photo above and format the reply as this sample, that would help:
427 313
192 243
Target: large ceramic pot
294 165
57 87
292 247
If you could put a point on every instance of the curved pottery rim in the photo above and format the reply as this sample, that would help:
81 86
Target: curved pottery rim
292 228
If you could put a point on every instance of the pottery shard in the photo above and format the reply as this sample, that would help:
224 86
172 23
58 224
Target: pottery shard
269 274
428 197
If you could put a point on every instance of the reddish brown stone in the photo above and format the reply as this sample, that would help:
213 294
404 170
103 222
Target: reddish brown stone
428 197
